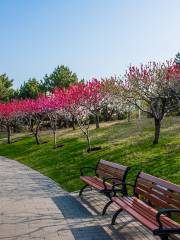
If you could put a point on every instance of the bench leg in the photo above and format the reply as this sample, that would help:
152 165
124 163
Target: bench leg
115 216
82 189
106 207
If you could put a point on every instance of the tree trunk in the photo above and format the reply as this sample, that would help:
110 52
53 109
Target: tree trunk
157 130
105 113
129 116
139 114
73 124
54 137
8 134
88 143
37 138
119 116
67 124
97 121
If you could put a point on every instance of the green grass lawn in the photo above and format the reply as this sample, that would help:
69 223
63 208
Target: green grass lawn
126 143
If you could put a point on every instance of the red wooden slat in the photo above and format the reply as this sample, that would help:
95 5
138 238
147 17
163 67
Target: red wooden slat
166 192
160 192
167 198
95 182
147 212
164 183
151 212
106 168
114 165
142 212
134 213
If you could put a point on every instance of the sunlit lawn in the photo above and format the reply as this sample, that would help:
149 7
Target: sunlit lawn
126 143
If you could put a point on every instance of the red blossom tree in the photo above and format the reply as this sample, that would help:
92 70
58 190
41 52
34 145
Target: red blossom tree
8 113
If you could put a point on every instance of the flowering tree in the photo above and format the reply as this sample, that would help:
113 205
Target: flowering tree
52 107
83 123
176 76
113 99
92 99
73 105
66 103
154 86
8 113
32 111
109 93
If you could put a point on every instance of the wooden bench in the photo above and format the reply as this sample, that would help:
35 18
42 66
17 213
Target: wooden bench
153 204
106 175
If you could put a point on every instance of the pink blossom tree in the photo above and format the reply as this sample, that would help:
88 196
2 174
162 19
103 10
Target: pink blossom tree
32 111
68 101
72 105
52 107
174 76
152 88
92 99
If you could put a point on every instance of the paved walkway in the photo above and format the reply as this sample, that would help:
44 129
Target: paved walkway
33 207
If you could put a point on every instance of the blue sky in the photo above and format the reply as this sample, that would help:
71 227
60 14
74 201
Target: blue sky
95 38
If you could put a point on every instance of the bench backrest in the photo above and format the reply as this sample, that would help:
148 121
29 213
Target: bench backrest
157 192
109 169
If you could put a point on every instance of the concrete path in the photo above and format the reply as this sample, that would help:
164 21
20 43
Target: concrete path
33 207
27 209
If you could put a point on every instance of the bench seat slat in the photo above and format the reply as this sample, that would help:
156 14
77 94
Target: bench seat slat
148 211
143 213
134 213
143 210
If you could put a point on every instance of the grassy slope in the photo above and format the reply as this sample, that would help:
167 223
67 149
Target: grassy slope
128 144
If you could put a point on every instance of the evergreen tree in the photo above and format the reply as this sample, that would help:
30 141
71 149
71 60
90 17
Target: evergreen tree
177 58
6 90
61 77
30 89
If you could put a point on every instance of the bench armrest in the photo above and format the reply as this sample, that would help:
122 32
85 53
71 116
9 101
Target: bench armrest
164 211
82 172
124 187
106 179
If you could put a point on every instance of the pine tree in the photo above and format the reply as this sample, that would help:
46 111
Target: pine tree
177 59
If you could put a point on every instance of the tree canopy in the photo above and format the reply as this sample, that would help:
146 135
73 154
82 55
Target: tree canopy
61 77
30 89
177 58
6 89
